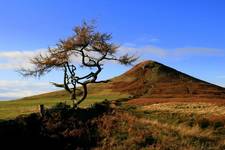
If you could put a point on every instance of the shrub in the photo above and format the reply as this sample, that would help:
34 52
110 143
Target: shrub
218 124
203 123
122 136
191 122
61 106
148 140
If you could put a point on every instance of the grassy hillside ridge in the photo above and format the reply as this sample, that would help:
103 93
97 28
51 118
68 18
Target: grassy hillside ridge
152 79
97 93
147 79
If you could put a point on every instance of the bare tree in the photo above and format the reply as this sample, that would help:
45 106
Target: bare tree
92 48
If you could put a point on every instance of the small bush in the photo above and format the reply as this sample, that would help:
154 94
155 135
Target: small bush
149 140
191 122
218 124
61 106
147 112
122 136
204 123
130 108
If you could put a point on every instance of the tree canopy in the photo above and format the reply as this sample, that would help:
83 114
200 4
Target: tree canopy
90 47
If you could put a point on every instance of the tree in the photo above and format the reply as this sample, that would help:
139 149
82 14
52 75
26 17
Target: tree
91 47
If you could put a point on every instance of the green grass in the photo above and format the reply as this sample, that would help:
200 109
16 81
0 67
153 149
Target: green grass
11 109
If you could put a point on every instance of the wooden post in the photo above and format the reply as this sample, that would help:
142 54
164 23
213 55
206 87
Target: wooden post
42 110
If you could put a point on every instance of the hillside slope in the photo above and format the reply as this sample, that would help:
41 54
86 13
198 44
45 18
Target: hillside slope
152 79
147 82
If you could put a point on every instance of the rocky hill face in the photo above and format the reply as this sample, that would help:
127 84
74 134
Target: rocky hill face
152 79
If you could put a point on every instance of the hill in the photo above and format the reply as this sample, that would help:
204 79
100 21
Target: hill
151 79
154 80
147 81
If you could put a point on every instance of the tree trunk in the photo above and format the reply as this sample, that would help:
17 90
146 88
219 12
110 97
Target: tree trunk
84 95
73 98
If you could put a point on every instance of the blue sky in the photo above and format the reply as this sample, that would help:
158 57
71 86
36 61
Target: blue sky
188 35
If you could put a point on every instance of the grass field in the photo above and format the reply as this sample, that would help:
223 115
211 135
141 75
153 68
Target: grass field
176 125
11 109
143 124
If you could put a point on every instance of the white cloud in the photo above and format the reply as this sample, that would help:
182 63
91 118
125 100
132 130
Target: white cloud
171 53
12 60
199 51
142 50
22 88
17 59
15 54
20 83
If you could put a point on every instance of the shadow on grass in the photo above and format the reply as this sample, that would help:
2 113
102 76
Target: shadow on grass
61 128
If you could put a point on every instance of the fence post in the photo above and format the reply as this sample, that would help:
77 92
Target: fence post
42 110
